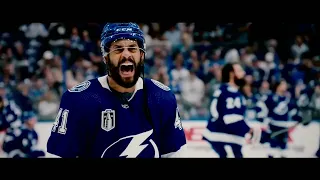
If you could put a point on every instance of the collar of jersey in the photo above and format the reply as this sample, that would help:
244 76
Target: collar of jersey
104 84
232 88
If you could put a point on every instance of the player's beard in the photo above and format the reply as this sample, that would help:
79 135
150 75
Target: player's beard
114 72
240 82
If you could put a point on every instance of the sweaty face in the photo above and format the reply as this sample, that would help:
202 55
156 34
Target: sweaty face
124 62
239 74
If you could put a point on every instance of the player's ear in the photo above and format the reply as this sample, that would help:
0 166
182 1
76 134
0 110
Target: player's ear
105 59
142 55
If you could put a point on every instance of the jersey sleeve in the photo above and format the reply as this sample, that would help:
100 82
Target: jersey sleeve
213 106
173 140
68 133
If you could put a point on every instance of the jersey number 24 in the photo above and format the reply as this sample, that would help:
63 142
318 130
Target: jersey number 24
233 103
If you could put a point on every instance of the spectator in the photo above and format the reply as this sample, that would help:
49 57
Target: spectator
48 105
21 62
159 71
57 38
178 73
192 94
39 61
215 80
34 30
173 35
298 48
315 102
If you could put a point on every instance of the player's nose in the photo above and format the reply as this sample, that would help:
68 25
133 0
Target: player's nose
126 53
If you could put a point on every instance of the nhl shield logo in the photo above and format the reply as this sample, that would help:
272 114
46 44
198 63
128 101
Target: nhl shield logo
108 117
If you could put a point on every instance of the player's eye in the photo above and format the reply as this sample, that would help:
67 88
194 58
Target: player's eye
133 49
120 50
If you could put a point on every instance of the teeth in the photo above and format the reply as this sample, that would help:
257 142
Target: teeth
127 63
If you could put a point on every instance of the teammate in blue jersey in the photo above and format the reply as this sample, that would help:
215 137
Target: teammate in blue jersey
263 91
10 114
10 117
254 107
304 101
314 105
22 142
281 109
121 114
227 130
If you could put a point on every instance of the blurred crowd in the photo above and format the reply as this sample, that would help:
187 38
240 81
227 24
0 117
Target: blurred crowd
39 61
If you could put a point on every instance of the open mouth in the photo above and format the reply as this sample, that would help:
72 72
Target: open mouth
127 69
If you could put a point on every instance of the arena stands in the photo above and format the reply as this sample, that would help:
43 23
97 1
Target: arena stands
39 61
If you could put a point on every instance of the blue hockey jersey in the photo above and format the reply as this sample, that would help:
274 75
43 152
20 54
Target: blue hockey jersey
22 142
304 99
254 109
10 115
280 110
94 122
227 121
262 96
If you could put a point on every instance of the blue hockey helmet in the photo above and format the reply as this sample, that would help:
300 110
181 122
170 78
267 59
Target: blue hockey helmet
27 115
116 31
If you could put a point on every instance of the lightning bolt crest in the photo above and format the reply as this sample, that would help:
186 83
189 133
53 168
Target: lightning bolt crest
135 146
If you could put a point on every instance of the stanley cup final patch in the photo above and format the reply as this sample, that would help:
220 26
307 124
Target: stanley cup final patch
108 119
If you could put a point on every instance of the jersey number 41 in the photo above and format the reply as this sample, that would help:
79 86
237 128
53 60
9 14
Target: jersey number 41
63 126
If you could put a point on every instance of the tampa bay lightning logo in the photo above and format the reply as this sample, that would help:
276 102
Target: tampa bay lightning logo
80 87
134 146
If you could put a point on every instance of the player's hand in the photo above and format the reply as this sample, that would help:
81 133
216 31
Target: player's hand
253 136
248 137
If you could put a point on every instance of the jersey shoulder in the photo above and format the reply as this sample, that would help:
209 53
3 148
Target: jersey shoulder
80 87
158 85
161 91
85 86
81 93
228 91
